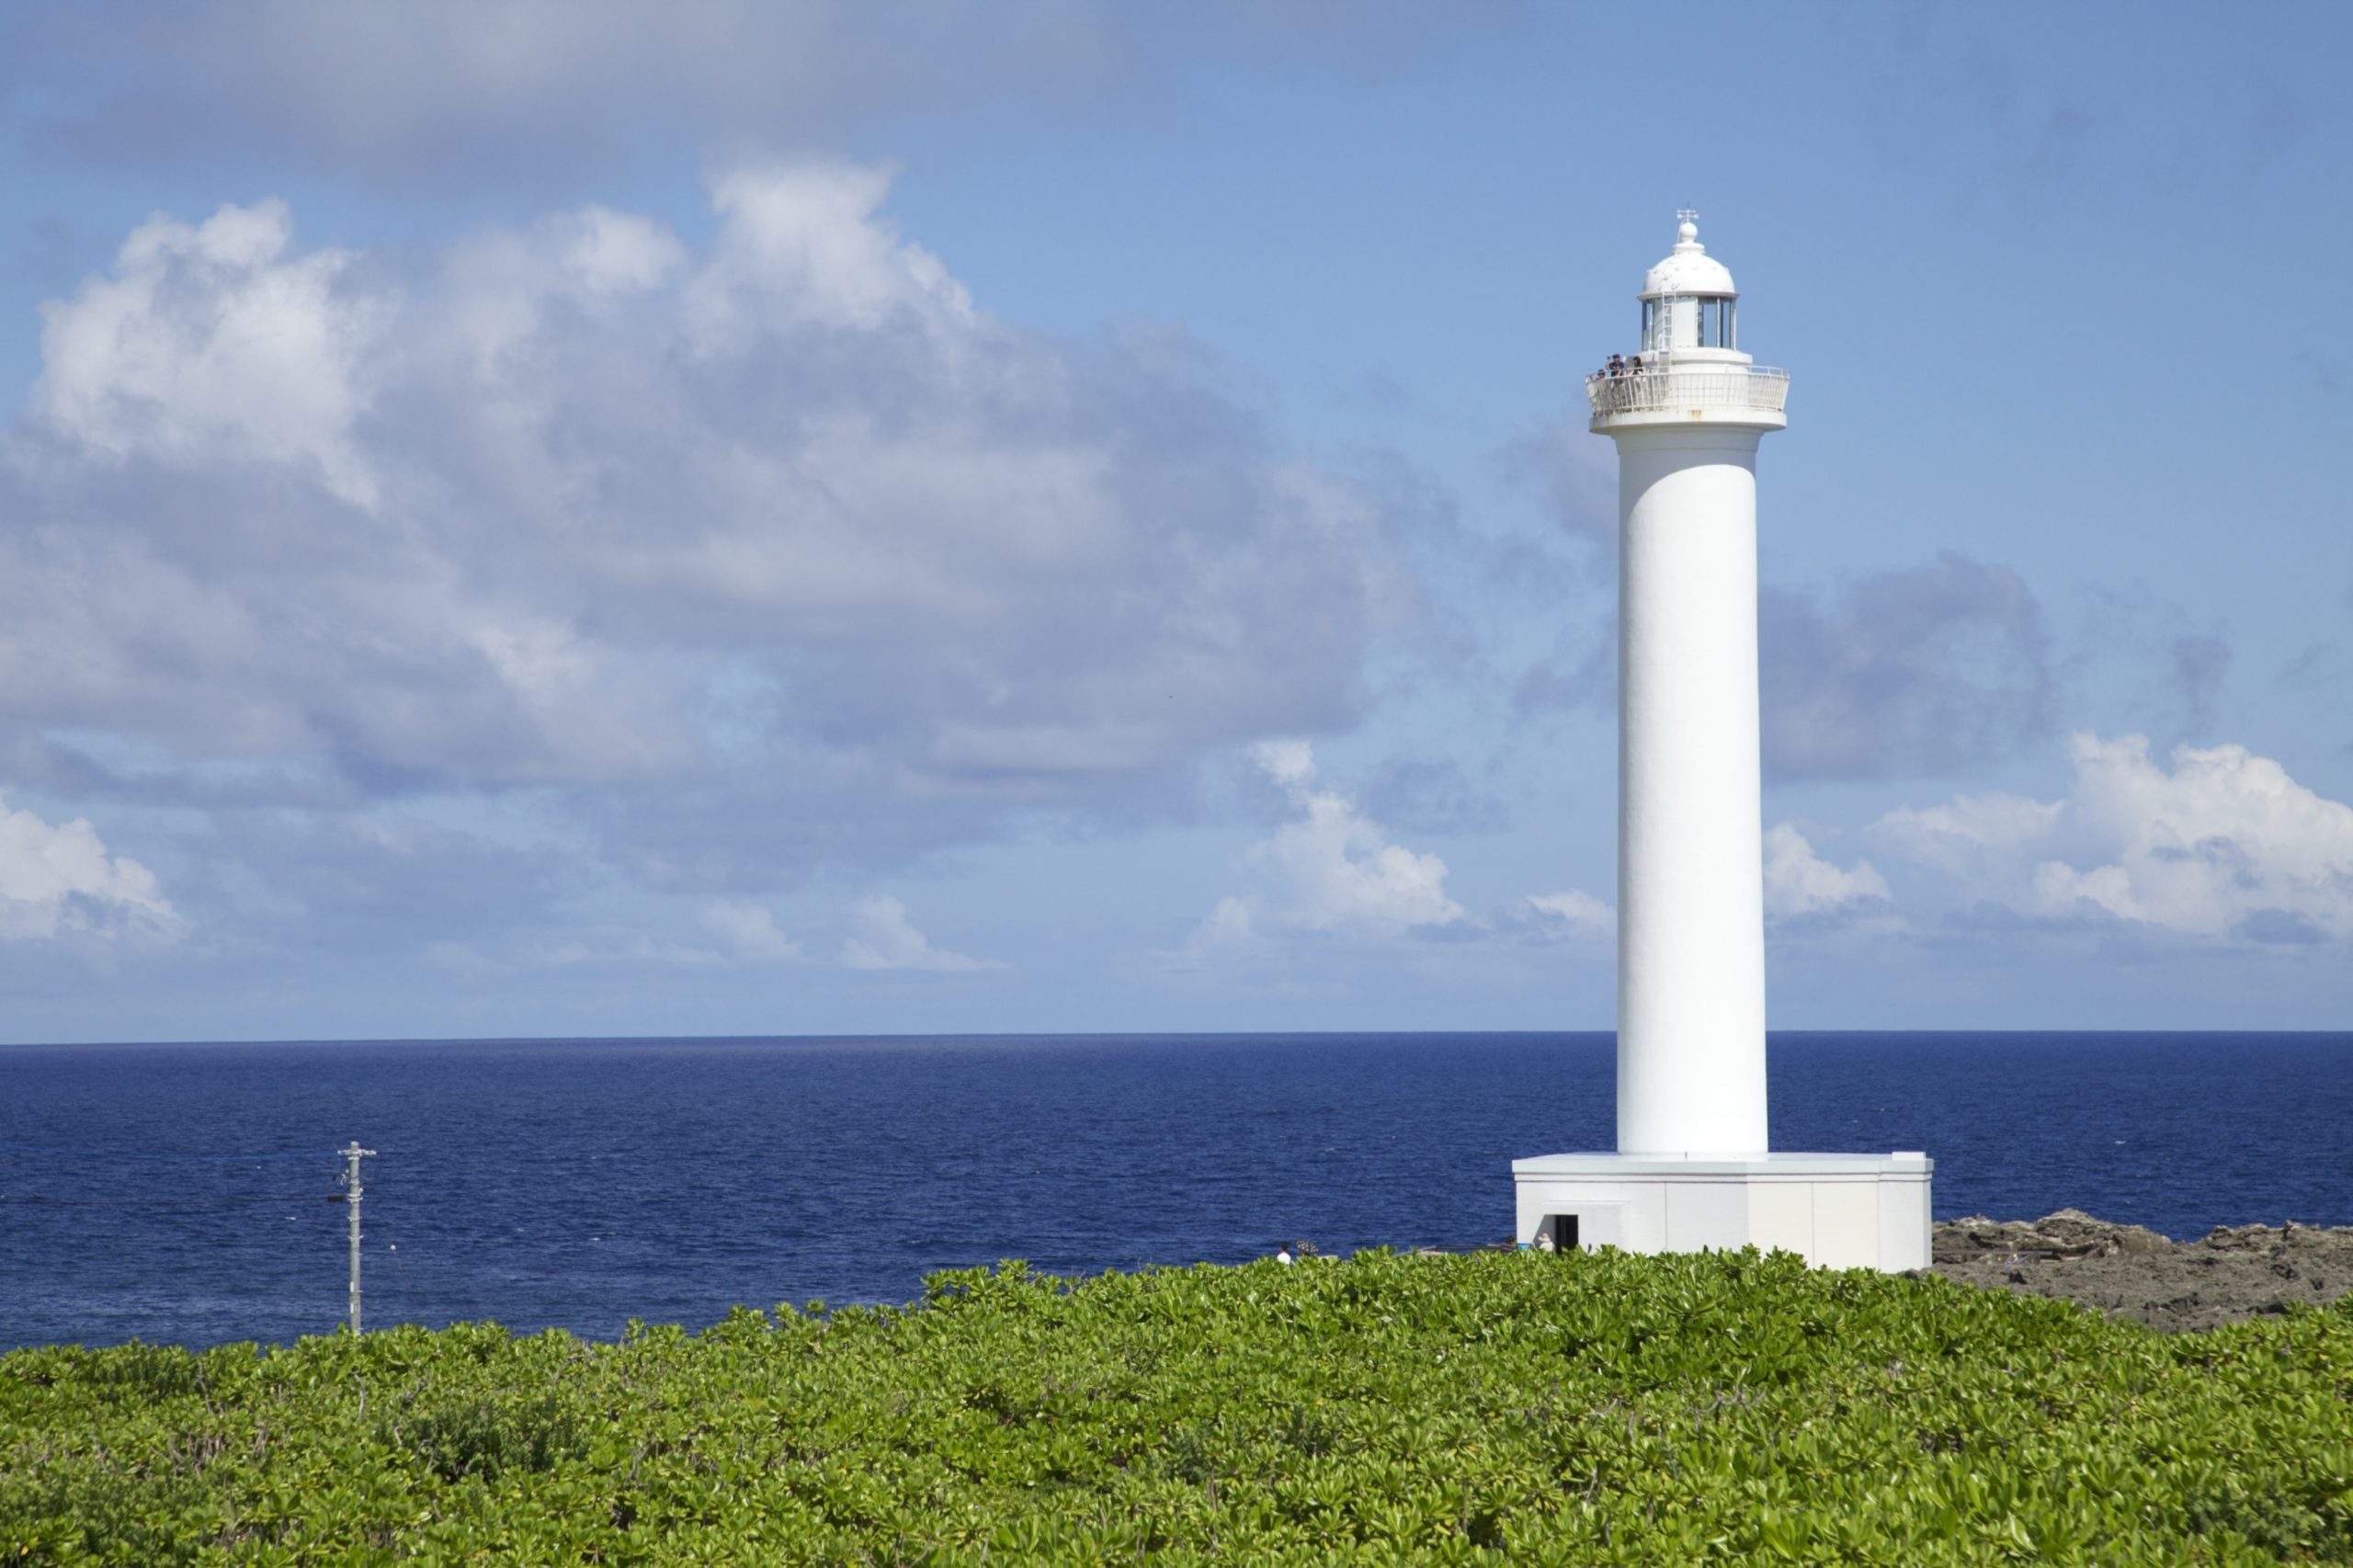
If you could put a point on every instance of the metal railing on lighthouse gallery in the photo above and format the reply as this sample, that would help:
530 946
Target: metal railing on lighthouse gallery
1739 387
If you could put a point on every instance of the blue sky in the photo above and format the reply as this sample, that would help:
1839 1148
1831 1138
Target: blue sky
536 518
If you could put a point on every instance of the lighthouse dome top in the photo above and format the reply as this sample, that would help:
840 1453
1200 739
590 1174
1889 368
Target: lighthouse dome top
1689 269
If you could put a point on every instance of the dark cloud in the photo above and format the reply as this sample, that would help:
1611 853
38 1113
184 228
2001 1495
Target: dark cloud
2315 667
1431 794
1926 670
1576 476
508 90
2327 375
62 768
2197 662
2280 927
1929 670
354 881
1581 674
2051 132
2179 664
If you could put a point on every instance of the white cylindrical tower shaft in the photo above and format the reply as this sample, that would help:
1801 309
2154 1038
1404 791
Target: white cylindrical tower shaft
1690 863
1686 415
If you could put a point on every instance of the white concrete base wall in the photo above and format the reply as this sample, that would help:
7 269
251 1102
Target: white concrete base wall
1833 1211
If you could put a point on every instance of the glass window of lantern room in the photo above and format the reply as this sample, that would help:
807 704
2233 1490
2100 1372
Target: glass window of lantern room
1649 321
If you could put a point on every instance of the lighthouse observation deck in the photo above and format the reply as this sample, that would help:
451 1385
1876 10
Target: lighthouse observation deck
1672 393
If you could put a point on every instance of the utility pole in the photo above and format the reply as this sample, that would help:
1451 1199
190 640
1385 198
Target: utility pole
352 1155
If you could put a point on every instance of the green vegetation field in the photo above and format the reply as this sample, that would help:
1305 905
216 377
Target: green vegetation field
1495 1408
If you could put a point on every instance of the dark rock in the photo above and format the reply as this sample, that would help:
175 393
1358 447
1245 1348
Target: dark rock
2232 1272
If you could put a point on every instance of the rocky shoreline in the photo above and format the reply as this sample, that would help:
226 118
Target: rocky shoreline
2229 1273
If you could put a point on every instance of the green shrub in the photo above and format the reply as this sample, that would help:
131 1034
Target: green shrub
485 1434
1496 1408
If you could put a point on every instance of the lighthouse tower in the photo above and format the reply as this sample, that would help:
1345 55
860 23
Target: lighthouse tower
1693 1166
1687 415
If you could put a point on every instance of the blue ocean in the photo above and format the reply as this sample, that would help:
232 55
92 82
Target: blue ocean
183 1192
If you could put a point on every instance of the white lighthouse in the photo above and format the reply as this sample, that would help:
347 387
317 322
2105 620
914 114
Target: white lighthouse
1694 1167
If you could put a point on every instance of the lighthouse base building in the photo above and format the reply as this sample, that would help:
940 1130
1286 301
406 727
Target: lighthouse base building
1693 1168
1833 1211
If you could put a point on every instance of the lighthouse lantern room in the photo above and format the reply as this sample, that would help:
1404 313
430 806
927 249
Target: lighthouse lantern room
1688 299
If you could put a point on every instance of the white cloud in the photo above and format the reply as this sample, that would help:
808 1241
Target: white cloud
882 937
749 930
802 245
1329 870
781 521
1798 883
206 341
60 879
617 252
2225 847
462 960
1969 835
1290 763
1577 915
